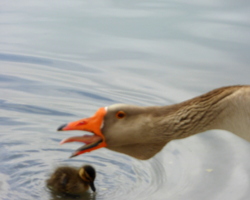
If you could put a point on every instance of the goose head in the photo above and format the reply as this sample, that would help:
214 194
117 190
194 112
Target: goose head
141 132
123 128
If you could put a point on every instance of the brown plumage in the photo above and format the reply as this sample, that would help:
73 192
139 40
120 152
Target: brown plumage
72 181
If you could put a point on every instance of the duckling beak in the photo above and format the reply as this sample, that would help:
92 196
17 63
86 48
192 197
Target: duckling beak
92 186
93 125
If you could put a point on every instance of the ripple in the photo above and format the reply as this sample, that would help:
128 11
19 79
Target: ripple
7 121
91 95
144 53
30 109
4 186
25 175
46 62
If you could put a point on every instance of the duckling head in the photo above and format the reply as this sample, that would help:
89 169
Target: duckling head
87 174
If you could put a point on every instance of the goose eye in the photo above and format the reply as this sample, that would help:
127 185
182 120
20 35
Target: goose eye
120 114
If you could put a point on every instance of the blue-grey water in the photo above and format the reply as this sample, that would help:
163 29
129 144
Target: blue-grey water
62 60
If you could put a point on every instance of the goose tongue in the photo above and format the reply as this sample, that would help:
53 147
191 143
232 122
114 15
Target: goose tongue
93 125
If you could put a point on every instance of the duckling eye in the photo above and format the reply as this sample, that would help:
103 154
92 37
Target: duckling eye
120 114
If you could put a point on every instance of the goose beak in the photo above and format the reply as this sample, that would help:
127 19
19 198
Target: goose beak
93 125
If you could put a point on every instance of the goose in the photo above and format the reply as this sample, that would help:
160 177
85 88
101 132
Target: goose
141 132
72 181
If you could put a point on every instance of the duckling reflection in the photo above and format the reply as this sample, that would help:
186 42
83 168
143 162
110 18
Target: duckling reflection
72 181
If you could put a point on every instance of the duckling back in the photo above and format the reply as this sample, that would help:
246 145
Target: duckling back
67 180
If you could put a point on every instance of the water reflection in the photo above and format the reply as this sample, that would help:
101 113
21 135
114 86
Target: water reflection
86 196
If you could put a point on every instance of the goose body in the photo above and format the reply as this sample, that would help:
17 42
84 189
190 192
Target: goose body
72 181
141 132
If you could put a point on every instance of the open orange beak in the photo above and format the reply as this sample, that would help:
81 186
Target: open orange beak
93 125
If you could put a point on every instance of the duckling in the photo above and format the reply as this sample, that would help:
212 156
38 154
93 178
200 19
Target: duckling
72 181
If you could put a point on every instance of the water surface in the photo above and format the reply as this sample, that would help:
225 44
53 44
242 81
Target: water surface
62 60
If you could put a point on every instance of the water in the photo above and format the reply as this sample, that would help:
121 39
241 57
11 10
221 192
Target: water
62 60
